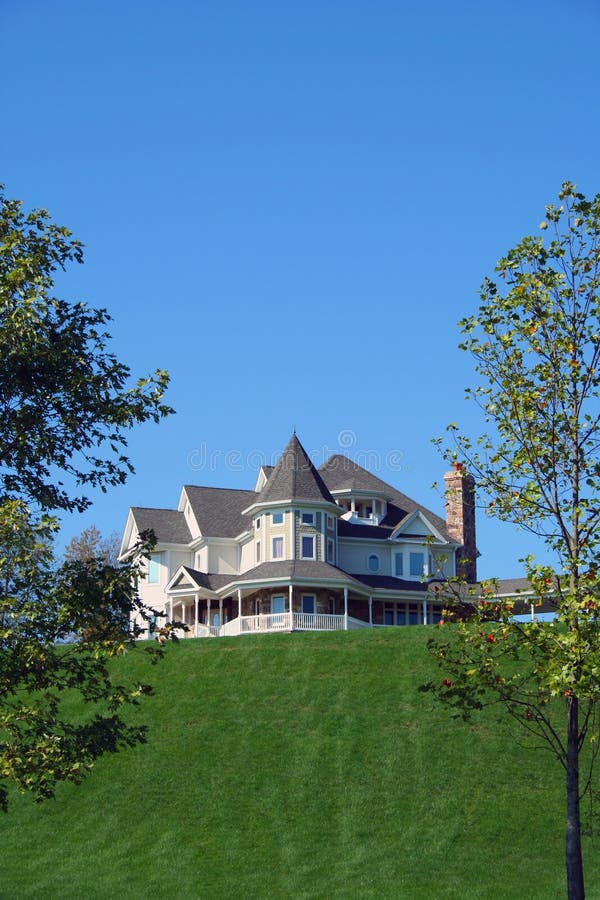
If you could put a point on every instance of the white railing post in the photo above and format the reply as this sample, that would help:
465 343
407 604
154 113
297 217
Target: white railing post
345 609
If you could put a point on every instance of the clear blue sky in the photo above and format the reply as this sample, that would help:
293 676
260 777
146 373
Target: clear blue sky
290 205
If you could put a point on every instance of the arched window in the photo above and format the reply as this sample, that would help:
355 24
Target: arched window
373 563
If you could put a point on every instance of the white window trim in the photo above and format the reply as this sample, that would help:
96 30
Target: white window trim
306 512
331 556
275 524
278 537
157 559
277 597
330 522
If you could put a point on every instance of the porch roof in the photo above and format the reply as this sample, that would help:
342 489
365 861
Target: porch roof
292 571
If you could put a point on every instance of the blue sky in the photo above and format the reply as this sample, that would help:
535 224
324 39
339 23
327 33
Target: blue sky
289 206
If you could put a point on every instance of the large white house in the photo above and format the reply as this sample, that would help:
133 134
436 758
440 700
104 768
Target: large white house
307 549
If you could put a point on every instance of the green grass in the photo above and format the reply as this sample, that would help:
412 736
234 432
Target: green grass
304 766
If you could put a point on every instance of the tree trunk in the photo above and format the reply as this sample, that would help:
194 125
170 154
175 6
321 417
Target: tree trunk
575 887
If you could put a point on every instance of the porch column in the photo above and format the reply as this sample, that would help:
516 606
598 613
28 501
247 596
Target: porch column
425 611
220 611
345 609
290 593
371 611
208 611
240 604
196 614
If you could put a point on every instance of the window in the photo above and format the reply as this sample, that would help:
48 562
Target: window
330 523
258 552
308 603
416 563
330 551
307 518
257 522
394 614
154 568
278 603
277 518
307 547
399 565
373 563
413 614
277 548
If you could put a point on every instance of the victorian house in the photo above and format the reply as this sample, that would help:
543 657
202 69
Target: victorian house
320 550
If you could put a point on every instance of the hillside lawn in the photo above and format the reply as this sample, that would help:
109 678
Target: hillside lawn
300 766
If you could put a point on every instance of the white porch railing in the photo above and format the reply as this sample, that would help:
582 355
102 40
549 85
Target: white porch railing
272 622
229 629
265 622
317 622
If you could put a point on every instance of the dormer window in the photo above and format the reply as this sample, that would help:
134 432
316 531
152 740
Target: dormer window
307 518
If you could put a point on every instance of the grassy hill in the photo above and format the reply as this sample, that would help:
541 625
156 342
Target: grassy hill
300 766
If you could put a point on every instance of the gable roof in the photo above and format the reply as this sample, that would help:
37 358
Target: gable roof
341 473
169 525
218 511
294 478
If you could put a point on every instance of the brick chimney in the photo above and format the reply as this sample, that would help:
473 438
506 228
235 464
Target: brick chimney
460 520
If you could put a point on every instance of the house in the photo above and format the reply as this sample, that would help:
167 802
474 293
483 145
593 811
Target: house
320 550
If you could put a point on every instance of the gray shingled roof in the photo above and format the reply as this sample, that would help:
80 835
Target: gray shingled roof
218 511
208 580
299 568
341 473
294 478
390 583
169 525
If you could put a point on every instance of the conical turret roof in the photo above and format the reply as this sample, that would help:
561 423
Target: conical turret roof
294 478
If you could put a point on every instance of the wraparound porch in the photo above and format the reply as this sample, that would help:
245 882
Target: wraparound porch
294 608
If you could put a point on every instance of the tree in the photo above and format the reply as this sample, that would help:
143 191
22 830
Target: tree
536 344
66 405
90 545
59 628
